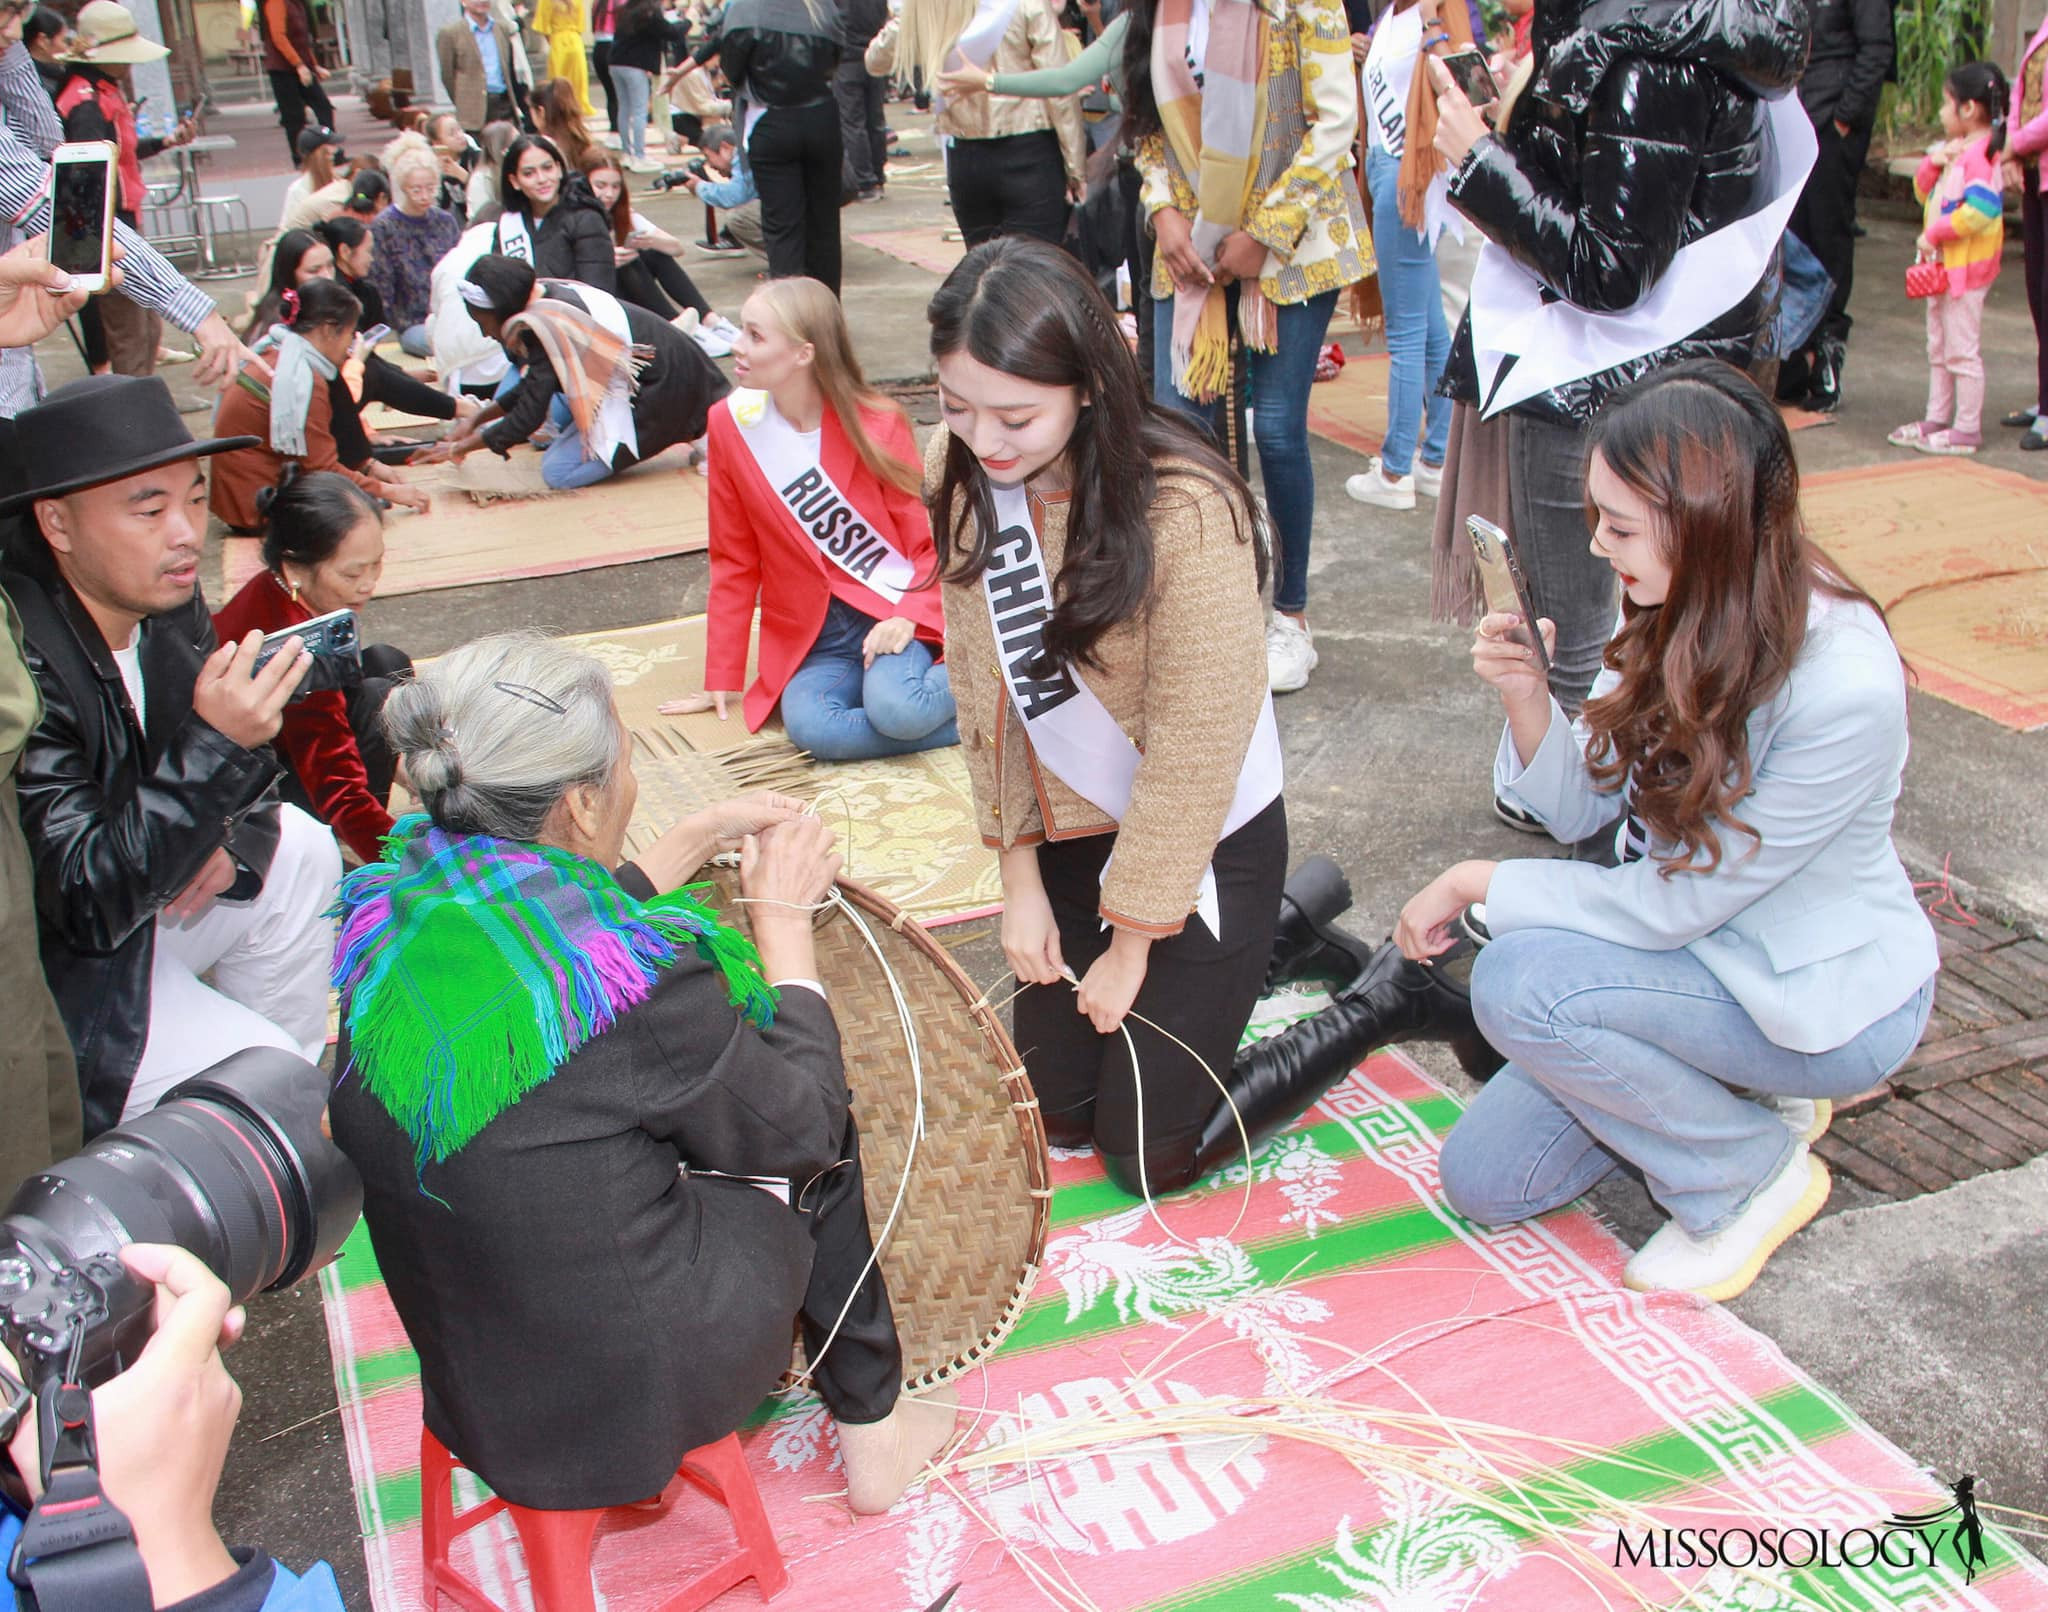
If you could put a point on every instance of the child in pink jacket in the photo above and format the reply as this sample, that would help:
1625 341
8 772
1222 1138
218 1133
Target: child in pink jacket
1960 187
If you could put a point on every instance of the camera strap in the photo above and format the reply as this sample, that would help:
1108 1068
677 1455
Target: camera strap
77 1551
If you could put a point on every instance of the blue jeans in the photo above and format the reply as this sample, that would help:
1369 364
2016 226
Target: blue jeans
1625 1058
413 341
1418 340
562 465
1279 385
632 85
840 710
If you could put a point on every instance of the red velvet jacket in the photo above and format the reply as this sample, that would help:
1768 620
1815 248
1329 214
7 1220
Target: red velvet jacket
316 741
758 553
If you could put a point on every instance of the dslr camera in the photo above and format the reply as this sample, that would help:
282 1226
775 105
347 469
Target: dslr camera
231 1166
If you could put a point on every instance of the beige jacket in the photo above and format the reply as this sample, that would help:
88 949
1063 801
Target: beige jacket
1032 40
1186 680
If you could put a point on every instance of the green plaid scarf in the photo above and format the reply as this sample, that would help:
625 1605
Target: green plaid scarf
474 967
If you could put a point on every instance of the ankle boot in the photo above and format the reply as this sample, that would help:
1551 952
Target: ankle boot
1306 943
1275 1081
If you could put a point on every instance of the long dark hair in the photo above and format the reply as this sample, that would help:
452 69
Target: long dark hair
1141 106
1712 457
1027 309
322 304
1985 84
290 252
308 513
510 195
342 232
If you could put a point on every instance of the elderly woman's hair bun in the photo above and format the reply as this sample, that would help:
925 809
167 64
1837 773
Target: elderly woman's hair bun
495 733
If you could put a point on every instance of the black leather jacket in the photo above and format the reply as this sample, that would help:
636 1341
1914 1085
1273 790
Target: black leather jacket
1639 132
119 819
770 67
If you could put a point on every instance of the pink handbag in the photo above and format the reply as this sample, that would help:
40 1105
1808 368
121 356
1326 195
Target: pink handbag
1927 278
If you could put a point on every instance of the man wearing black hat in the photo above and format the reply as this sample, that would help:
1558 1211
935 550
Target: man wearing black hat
161 854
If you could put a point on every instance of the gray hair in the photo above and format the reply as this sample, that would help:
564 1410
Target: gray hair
495 733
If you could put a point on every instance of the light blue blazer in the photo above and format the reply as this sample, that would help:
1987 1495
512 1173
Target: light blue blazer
1815 931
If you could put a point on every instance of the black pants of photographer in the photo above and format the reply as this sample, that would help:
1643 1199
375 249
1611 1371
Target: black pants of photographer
862 130
1012 184
795 155
384 668
861 1373
657 282
1201 988
294 101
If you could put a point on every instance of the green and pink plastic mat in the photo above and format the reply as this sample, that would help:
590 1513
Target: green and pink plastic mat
1325 1393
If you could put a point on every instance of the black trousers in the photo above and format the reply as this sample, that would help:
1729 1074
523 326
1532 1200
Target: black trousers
601 70
657 282
861 1371
796 157
1825 219
862 131
1201 988
2034 235
1014 184
384 382
294 100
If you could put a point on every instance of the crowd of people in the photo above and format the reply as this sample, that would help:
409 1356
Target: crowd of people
1071 580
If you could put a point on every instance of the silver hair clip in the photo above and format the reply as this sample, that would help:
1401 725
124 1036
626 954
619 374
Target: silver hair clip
532 696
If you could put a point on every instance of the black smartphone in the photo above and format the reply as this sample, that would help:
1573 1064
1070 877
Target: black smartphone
82 211
1469 72
331 637
1507 589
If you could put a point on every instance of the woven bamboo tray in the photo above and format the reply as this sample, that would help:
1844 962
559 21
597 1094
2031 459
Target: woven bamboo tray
965 1251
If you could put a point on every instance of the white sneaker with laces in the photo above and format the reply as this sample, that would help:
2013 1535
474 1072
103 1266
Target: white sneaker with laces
1429 479
1290 654
715 345
1723 1263
1374 486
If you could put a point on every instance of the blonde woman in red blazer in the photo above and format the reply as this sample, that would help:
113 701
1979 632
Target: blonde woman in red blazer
816 517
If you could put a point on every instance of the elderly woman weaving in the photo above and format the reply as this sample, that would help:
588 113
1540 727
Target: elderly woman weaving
606 1148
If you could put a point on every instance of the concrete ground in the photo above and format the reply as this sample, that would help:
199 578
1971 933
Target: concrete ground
1923 1316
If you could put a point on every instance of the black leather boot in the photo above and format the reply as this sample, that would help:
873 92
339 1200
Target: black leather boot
1306 943
1275 1081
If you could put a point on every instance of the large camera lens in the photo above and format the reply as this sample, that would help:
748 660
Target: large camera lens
231 1166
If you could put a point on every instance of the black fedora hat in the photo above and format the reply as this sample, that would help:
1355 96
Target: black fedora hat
98 430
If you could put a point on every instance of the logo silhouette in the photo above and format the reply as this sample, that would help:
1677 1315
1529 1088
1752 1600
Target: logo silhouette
1968 1538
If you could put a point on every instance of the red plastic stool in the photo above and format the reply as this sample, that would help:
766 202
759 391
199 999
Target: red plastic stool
557 1543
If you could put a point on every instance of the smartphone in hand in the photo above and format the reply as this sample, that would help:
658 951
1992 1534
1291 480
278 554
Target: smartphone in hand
82 199
1507 589
1470 73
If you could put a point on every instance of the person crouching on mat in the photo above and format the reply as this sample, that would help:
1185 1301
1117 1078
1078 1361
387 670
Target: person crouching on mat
607 1156
815 516
629 384
1103 567
1758 949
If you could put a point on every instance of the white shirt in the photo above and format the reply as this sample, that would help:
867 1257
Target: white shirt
129 660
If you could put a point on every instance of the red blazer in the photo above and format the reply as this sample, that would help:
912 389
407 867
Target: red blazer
757 552
316 741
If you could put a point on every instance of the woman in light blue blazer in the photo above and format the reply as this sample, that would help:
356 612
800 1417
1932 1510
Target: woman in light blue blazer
1758 950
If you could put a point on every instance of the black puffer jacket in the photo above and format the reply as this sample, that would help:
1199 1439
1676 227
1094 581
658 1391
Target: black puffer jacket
1639 132
120 819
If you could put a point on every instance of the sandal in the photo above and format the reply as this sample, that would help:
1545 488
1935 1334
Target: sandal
1912 434
1945 443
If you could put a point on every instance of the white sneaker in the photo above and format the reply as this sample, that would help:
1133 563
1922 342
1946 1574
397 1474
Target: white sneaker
714 345
1374 486
723 326
1723 1263
1290 654
1429 479
1807 1118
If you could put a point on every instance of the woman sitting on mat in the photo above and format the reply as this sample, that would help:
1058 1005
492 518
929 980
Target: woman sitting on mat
323 550
647 258
815 516
549 222
412 235
618 384
1102 567
1758 948
594 1124
354 249
292 411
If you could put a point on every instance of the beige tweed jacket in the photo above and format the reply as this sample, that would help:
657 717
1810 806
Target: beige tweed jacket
1186 680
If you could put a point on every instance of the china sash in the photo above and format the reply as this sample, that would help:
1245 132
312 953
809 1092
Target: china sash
828 520
1554 343
1071 731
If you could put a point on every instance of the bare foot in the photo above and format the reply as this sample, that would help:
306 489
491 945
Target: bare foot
883 1458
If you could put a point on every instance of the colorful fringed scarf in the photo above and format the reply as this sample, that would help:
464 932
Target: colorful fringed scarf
598 369
474 967
1215 129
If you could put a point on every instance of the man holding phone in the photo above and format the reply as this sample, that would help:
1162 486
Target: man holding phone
161 856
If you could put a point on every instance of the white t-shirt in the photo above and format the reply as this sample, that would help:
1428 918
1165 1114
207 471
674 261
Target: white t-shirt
129 660
1385 78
